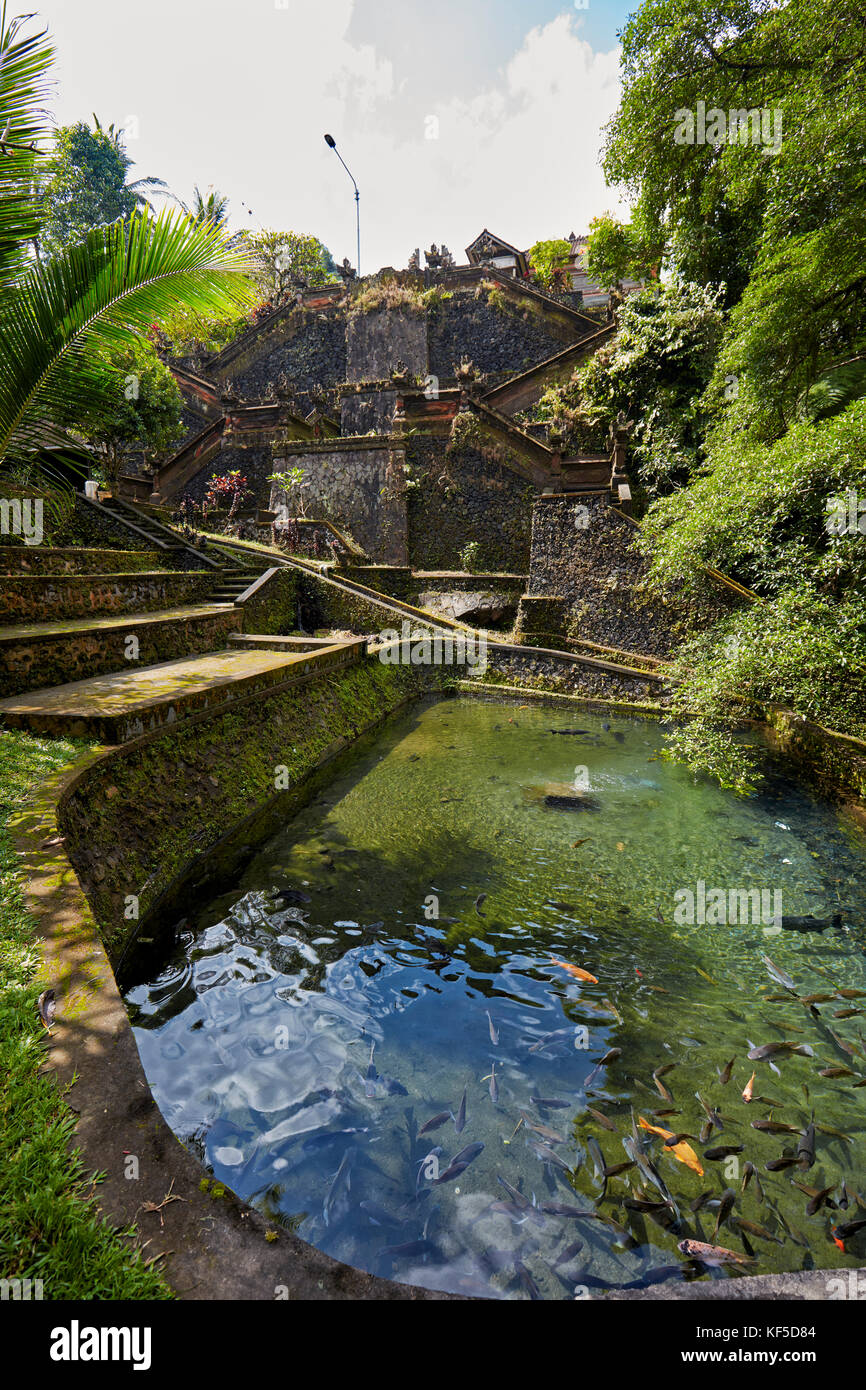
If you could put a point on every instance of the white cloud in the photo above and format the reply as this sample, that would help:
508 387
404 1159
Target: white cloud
238 93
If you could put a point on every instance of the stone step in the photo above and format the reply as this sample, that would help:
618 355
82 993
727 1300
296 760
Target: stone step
125 705
46 654
44 559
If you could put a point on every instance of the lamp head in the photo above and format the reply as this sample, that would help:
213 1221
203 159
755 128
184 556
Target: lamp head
329 140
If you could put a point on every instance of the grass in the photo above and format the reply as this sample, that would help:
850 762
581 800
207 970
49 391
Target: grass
50 1223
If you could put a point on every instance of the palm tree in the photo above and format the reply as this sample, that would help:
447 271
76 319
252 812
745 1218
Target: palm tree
57 318
214 209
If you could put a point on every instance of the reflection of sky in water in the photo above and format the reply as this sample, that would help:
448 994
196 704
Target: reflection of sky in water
257 1033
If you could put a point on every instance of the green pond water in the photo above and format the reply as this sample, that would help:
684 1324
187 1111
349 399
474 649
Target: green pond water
298 1047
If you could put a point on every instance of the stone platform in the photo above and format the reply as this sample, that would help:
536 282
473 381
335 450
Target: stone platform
125 705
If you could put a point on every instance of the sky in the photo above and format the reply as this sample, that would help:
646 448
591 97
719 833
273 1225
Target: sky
452 115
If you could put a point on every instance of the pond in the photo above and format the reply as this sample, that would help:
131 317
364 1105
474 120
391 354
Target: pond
427 1022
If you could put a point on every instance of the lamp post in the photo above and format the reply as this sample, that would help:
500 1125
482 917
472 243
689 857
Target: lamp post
329 140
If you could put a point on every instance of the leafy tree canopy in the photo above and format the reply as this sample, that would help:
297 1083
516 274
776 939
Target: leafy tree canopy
83 184
286 259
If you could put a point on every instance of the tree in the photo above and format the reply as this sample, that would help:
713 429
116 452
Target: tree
286 259
213 209
59 322
618 251
548 260
83 184
140 413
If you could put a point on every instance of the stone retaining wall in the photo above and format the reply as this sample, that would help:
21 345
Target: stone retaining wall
54 598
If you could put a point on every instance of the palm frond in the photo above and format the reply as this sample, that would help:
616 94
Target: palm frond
24 62
119 280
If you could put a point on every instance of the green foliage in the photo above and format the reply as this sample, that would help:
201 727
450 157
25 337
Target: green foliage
656 370
387 294
548 260
283 260
50 1223
84 184
139 413
618 251
470 557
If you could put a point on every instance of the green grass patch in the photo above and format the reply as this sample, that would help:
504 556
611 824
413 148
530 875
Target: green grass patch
50 1224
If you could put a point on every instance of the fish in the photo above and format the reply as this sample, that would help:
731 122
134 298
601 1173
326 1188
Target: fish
469 1154
549 1103
379 1216
453 1171
568 731
546 1155
723 1151
682 1151
705 976
610 1056
833 1133
833 1073
561 907
572 803
726 1205
599 1162
849 1228
410 1250
818 1199
494 1085
47 1007
816 998
516 1197
527 1280
435 1123
613 1170
711 1254
292 896
810 923
851 993
576 844
778 975
776 1165
775 1127
749 1088
700 1202
546 1133
711 1112
568 1254
662 1088
755 1230
806 1145
774 1049
706 1131
563 1209
460 1121
725 1074
551 1037
342 1183
494 1031
318 1141
601 1119
479 903
648 1169
393 1087
750 1172
575 970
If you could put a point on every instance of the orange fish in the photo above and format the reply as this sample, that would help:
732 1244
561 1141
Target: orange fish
837 1241
684 1152
575 970
750 1086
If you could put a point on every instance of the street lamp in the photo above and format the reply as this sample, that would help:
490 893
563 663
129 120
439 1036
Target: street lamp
329 140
